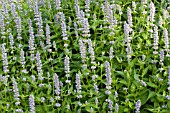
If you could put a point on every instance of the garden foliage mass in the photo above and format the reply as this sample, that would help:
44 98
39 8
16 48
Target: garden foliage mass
79 56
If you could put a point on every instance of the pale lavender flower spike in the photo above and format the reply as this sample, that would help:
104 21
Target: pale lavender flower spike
161 56
156 40
56 84
117 107
138 105
166 39
48 42
129 15
11 40
78 85
152 11
31 104
15 89
108 78
31 35
22 58
58 4
39 65
108 73
168 79
82 50
4 58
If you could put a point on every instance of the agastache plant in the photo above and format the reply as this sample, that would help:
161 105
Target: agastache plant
129 16
57 85
108 78
38 19
87 7
57 89
58 4
30 5
168 97
111 56
31 39
63 27
49 5
40 25
160 22
16 91
78 86
156 40
144 1
11 38
86 31
91 51
110 105
152 12
111 20
67 68
117 107
32 103
82 47
39 65
19 5
48 42
2 25
5 10
36 10
138 106
119 9
165 14
4 79
22 58
161 57
13 10
166 41
76 29
77 10
134 5
84 56
127 30
4 58
105 9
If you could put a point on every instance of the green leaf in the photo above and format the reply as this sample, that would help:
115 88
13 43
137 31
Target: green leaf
118 59
104 105
135 75
145 71
143 98
151 94
131 105
152 84
120 72
126 110
13 69
168 104
123 82
87 108
99 58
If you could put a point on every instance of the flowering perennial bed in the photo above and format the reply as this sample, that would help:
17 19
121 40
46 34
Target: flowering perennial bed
96 56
